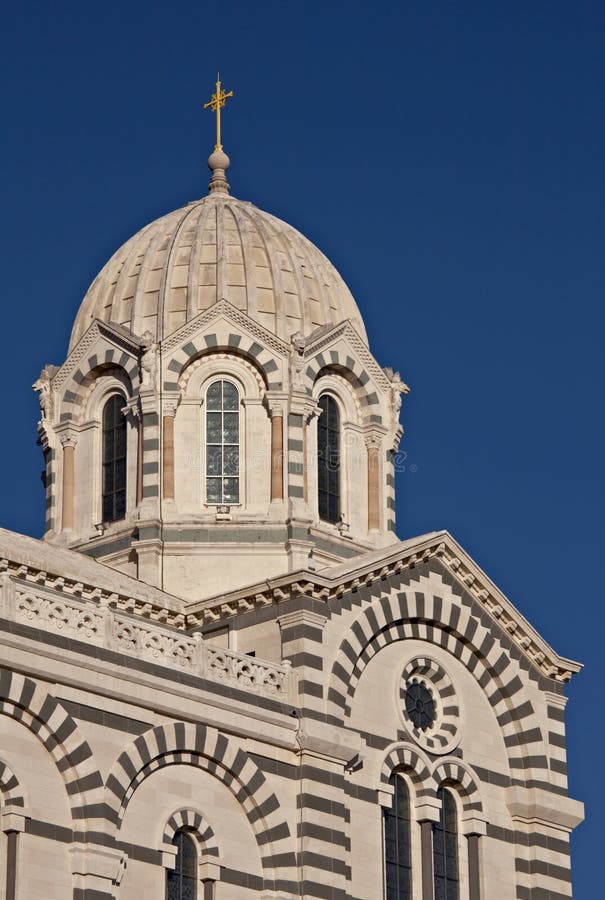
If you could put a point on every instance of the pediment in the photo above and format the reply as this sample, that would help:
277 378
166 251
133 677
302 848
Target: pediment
332 586
223 311
96 340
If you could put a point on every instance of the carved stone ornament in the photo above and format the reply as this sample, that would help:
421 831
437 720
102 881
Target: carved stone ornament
43 387
297 360
428 705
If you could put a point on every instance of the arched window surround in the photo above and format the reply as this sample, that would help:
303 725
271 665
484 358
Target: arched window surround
352 453
89 451
209 860
398 857
255 434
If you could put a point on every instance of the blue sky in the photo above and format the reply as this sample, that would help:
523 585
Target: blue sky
448 158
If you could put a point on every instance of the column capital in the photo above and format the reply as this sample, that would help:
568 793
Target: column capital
170 404
69 437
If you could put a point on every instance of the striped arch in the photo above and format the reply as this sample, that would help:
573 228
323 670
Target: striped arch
23 700
194 821
413 762
76 391
351 369
449 623
208 343
205 748
10 789
455 773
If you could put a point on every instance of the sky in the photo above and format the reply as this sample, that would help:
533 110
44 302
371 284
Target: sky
447 157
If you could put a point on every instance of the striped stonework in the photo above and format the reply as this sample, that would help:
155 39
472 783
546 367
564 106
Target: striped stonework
323 830
363 385
457 627
50 477
11 792
195 822
22 699
80 382
557 755
417 766
301 644
458 775
296 481
151 455
208 343
442 737
389 475
211 751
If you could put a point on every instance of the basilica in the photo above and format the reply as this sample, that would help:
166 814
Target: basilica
223 676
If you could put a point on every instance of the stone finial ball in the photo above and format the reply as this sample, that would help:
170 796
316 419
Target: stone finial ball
218 160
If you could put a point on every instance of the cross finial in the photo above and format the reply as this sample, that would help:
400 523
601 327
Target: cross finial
216 103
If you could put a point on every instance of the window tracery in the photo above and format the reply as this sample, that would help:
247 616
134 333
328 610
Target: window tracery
222 443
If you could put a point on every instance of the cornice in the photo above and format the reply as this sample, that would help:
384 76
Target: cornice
360 572
346 329
97 329
230 312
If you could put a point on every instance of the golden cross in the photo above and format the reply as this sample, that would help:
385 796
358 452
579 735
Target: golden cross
216 103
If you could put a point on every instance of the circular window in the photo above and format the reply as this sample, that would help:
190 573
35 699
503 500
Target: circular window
419 704
428 705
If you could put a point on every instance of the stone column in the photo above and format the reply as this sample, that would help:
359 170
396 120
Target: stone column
13 823
474 883
373 444
68 440
426 850
472 828
277 453
168 414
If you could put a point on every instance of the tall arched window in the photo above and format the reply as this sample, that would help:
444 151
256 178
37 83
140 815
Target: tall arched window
114 459
222 443
328 459
397 843
181 882
445 849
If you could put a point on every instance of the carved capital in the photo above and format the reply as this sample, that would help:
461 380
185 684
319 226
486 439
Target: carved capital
68 438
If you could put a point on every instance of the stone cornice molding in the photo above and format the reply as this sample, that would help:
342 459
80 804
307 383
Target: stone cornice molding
345 329
222 308
98 329
382 565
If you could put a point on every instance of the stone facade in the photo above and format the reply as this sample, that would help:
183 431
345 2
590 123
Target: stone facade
242 672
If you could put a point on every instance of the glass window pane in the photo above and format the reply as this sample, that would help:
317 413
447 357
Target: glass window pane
230 396
188 855
120 505
214 460
213 490
231 428
231 460
214 428
231 490
213 396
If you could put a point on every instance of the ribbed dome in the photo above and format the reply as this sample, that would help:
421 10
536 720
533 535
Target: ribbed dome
217 248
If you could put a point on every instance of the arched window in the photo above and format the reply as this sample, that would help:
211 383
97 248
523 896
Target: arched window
328 459
445 849
181 882
222 443
397 843
114 459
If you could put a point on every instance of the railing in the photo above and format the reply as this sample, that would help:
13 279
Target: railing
103 626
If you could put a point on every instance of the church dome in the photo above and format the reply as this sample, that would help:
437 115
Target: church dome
212 249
